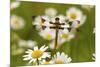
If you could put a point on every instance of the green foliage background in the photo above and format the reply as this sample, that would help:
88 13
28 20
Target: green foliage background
80 49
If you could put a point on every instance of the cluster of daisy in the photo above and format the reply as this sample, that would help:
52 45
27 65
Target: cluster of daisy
38 56
73 19
16 22
41 56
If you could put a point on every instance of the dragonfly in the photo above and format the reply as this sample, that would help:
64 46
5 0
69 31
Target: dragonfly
57 25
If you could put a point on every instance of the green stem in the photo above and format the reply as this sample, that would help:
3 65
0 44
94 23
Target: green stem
37 62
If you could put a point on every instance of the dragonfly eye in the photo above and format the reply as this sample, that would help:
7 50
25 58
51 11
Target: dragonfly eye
57 19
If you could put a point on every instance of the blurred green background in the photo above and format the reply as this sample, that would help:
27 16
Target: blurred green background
80 49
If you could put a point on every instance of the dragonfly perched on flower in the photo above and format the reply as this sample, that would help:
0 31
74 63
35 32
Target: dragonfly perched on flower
56 24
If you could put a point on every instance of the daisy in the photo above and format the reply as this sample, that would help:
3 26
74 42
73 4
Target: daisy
61 58
36 54
65 35
51 12
47 34
16 22
16 51
77 24
27 44
31 43
40 21
75 16
14 5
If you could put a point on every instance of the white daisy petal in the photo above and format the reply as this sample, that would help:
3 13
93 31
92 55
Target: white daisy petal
28 58
93 58
30 50
45 55
66 56
69 60
31 60
61 58
44 49
62 54
58 54
25 55
35 48
83 19
93 54
27 52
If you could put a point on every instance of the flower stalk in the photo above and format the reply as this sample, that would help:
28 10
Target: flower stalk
37 61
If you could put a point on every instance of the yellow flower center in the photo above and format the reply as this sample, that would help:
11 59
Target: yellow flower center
64 35
73 15
48 36
15 21
46 62
59 62
37 54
